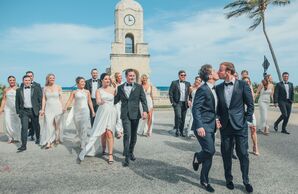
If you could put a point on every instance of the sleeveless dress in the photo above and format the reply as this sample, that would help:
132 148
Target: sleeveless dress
106 118
264 102
143 124
53 114
81 116
189 112
119 126
12 122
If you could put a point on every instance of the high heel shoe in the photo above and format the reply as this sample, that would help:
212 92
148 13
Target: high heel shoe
110 161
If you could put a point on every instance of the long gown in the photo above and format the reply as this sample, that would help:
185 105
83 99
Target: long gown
189 113
12 122
81 116
53 114
119 126
143 124
106 118
264 102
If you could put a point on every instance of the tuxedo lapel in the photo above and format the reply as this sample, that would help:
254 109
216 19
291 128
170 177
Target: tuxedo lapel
32 91
132 89
122 89
234 92
222 94
212 96
22 92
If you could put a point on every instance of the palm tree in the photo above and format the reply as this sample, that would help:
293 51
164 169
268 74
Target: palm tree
255 10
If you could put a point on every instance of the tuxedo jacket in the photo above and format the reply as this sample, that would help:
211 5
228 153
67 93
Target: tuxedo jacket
88 85
203 109
280 94
174 92
130 105
236 113
36 100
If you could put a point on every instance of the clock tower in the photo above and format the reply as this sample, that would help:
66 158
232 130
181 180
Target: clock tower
129 49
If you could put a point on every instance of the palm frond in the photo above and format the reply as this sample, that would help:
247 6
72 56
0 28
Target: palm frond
279 2
239 12
256 23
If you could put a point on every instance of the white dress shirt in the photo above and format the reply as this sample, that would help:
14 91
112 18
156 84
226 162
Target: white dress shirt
94 88
212 88
182 91
287 89
229 92
27 98
127 89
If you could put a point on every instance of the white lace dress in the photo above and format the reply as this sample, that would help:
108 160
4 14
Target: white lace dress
106 118
264 102
12 122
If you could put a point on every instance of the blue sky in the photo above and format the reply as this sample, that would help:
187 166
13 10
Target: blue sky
70 37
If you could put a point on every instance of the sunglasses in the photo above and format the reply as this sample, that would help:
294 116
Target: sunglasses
183 75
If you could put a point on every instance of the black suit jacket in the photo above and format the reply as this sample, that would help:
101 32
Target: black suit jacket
236 113
174 92
88 85
280 94
203 109
130 105
36 100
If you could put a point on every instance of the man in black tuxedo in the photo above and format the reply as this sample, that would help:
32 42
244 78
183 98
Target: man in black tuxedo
131 95
38 87
92 85
233 95
28 105
284 97
204 123
179 97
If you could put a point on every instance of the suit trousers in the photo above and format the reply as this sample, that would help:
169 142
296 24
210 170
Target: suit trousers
26 115
130 128
229 137
285 109
206 155
180 113
95 107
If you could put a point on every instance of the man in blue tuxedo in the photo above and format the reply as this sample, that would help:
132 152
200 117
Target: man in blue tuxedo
233 95
204 123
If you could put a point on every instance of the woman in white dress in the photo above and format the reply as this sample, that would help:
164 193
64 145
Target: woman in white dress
192 92
117 82
145 126
253 131
80 110
52 112
105 120
12 122
265 90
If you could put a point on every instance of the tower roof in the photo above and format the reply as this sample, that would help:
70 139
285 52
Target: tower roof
129 4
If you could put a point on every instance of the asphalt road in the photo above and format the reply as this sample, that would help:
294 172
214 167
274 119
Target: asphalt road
163 165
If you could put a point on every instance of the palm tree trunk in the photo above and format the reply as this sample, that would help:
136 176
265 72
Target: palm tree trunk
271 48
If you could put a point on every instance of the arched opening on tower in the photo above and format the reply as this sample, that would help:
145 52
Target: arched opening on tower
129 44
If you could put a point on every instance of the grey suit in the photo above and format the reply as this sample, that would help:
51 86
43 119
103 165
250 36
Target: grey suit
204 116
130 114
88 87
29 113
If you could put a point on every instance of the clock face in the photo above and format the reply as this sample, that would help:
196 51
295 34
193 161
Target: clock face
129 20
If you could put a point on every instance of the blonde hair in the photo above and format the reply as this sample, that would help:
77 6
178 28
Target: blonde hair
144 76
47 78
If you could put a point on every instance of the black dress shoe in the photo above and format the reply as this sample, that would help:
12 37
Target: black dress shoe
234 157
207 187
285 132
37 141
22 148
32 138
177 134
275 127
132 157
195 164
230 185
126 162
248 188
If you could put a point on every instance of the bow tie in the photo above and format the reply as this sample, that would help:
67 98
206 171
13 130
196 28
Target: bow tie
94 80
182 81
127 84
286 82
27 87
227 84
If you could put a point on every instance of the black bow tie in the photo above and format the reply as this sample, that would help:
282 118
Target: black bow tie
182 81
127 84
27 87
227 84
286 82
94 80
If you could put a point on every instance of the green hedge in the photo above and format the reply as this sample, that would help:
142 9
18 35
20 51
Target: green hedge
296 98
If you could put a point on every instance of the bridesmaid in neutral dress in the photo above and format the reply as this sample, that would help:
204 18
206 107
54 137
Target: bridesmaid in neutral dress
192 92
12 123
81 114
265 90
105 120
145 126
117 82
52 112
